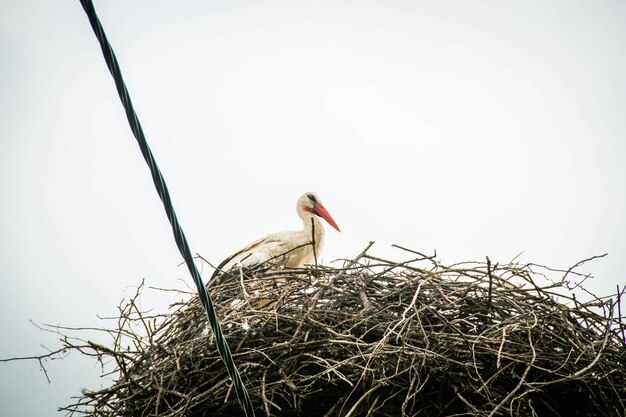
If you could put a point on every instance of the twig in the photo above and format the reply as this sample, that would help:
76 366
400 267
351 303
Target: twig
490 283
582 262
601 350
619 311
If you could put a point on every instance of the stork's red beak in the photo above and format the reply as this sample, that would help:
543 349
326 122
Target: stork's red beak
324 214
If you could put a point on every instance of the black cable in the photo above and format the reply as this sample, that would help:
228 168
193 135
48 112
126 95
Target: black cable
159 182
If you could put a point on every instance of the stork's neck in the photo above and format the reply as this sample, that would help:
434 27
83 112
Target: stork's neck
313 229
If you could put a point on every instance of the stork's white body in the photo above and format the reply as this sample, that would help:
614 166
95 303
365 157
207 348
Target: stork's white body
290 249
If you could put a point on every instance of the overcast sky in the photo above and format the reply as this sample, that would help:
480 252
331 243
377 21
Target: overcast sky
474 128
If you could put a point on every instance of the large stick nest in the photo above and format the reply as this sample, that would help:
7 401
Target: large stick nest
375 338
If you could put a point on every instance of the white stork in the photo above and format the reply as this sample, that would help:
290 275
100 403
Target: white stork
290 249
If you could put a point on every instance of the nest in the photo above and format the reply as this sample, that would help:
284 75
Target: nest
375 338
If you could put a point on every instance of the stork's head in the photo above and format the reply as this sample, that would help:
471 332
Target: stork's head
310 202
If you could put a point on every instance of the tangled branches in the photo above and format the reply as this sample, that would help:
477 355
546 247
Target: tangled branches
377 338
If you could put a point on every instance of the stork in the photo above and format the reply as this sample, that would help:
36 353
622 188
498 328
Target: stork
290 249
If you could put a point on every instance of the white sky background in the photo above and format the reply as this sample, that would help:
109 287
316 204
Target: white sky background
473 128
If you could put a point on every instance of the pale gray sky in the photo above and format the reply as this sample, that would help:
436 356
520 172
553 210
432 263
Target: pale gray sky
476 128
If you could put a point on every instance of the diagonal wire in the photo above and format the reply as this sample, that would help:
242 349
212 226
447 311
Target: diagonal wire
159 182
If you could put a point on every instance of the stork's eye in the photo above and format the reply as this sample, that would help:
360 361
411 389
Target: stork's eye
312 198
